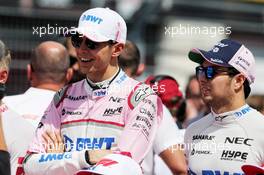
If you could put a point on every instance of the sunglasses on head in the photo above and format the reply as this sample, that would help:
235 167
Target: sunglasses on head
211 71
77 40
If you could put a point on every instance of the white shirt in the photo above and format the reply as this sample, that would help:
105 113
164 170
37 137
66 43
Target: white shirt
18 134
168 134
30 105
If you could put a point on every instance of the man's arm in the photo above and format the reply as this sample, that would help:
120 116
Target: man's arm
175 159
168 144
38 161
56 161
141 124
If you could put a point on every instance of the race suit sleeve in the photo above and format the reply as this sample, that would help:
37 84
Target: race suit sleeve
141 125
38 162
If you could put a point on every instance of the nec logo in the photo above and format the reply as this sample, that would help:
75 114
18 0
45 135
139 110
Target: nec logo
238 140
91 18
109 111
116 99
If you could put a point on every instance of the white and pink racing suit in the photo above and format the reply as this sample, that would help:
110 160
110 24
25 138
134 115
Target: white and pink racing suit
122 114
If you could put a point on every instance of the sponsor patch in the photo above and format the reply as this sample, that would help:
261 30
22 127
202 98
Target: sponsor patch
140 92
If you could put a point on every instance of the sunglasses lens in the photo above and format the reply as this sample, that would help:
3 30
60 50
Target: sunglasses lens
209 72
76 40
91 44
199 71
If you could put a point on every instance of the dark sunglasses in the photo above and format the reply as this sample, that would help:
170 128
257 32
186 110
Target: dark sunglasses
77 40
211 71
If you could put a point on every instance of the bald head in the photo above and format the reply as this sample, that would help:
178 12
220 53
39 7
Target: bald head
50 62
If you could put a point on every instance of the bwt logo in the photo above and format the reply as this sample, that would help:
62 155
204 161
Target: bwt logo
214 172
91 18
54 156
88 143
100 93
243 112
217 172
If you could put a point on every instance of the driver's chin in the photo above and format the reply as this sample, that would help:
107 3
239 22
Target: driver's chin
207 99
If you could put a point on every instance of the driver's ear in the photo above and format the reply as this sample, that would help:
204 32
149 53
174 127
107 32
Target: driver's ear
118 48
239 80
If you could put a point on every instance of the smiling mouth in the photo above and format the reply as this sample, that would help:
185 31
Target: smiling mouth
86 60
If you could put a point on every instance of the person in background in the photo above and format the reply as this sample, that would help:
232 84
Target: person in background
232 131
256 102
48 71
129 60
168 139
15 132
195 107
172 97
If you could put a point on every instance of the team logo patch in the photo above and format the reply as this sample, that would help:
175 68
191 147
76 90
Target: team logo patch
138 94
